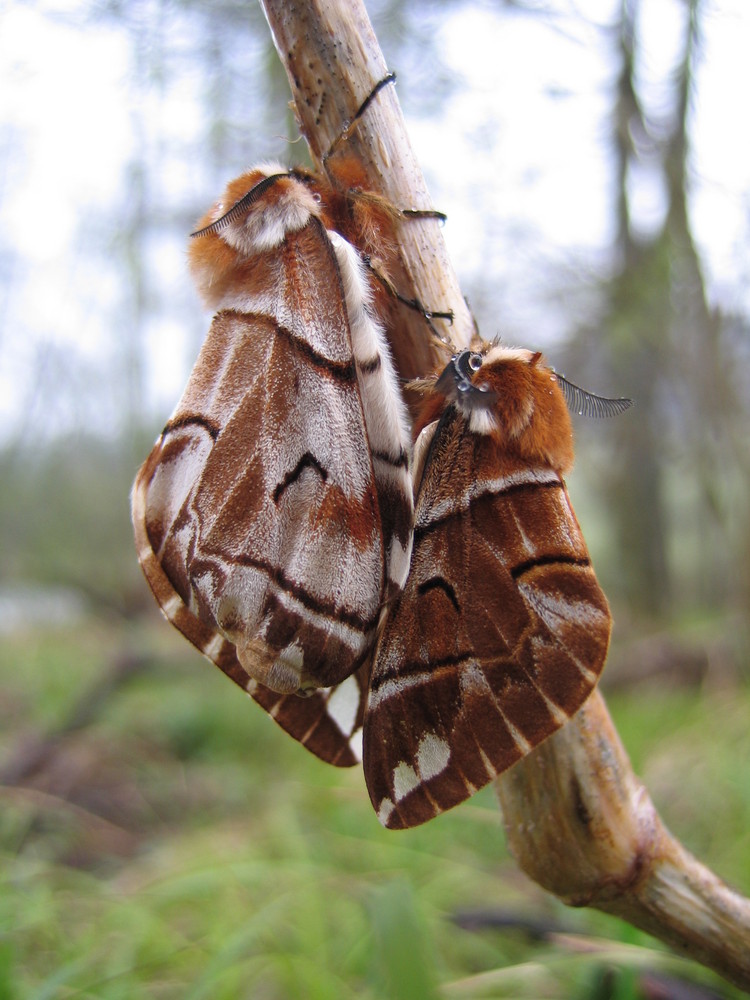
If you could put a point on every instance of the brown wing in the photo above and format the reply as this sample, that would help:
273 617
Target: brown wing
328 722
497 639
256 514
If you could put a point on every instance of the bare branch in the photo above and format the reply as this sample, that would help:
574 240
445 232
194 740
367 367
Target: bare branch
580 824
577 819
333 61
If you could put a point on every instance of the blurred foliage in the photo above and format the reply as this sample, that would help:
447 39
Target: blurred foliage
180 845
204 94
64 511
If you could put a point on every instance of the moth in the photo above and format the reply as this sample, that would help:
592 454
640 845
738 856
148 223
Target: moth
273 518
502 629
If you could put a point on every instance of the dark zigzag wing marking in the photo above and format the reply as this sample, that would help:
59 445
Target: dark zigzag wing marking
328 722
316 607
229 530
454 704
308 461
216 381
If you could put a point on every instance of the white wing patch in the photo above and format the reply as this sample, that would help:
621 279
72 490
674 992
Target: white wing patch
399 559
343 704
433 755
556 612
405 780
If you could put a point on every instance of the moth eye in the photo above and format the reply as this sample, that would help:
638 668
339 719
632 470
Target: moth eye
317 197
475 362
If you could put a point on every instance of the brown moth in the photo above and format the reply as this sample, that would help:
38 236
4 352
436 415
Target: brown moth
502 629
273 517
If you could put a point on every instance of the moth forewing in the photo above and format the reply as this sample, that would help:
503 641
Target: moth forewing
502 629
277 503
385 414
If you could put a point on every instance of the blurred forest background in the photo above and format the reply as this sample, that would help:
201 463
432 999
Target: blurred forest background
590 159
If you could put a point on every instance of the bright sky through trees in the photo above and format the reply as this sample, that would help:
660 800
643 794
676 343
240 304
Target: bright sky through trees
518 158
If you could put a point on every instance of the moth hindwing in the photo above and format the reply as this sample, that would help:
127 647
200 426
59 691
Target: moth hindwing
273 517
502 629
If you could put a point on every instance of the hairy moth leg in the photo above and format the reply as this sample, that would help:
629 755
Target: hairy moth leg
502 629
372 217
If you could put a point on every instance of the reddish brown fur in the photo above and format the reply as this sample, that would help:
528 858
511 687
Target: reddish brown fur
282 328
430 409
533 423
502 629
533 417
363 218
213 264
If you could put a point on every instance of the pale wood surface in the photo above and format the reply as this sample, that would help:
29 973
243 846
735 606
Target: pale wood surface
577 819
333 61
581 824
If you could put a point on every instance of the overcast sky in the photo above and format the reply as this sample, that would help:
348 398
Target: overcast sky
67 128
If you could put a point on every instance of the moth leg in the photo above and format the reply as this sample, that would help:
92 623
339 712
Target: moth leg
415 304
424 213
350 124
348 127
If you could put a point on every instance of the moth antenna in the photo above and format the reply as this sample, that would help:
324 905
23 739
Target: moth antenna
239 207
588 404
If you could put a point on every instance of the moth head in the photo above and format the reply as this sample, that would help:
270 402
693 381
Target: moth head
253 216
509 395
512 395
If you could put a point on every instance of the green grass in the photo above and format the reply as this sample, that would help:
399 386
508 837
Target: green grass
181 846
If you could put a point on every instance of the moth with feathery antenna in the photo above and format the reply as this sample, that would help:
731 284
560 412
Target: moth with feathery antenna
436 618
502 629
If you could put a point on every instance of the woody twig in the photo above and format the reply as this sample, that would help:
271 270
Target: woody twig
577 819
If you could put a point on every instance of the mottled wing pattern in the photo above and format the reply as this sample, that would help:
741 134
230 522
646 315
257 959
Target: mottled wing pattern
498 637
328 722
258 513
